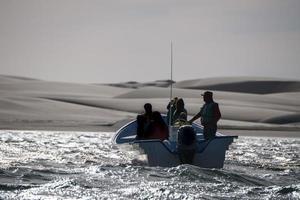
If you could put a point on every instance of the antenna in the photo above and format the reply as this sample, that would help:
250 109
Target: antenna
171 86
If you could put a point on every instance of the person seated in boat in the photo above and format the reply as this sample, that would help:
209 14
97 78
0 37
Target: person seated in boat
171 109
157 128
179 110
182 120
210 114
144 120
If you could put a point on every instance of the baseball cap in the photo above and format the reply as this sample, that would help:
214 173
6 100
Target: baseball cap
207 93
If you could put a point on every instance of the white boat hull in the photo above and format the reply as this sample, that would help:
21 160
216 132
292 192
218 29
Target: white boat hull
209 154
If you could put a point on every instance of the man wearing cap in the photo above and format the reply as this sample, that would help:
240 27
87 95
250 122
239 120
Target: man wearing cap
210 115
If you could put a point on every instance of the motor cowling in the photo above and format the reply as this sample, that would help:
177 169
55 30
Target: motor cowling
186 144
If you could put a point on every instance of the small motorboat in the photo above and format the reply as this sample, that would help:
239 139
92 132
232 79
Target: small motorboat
167 153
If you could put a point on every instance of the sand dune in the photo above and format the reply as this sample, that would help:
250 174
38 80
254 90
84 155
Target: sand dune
251 114
34 104
16 113
284 119
37 88
240 116
134 84
286 95
242 84
22 105
156 92
6 79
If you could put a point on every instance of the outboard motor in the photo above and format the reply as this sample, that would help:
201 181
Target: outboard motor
186 144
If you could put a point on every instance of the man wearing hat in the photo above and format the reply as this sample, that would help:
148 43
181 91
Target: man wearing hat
210 115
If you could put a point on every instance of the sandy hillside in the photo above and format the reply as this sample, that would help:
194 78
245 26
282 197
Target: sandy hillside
255 85
246 103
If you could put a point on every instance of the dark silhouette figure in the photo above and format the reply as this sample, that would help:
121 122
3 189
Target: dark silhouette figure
157 128
171 109
186 144
210 115
180 111
144 120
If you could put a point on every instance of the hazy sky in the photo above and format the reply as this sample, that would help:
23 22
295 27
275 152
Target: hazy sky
121 40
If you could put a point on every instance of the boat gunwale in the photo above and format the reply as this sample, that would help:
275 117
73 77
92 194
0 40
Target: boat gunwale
114 139
175 152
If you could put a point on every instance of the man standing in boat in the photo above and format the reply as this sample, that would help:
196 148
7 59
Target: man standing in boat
210 115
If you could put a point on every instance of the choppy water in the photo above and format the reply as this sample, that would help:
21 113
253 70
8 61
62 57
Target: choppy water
66 165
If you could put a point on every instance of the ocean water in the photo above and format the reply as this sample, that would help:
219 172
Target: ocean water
74 165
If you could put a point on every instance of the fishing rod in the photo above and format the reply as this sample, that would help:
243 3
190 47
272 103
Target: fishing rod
171 86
